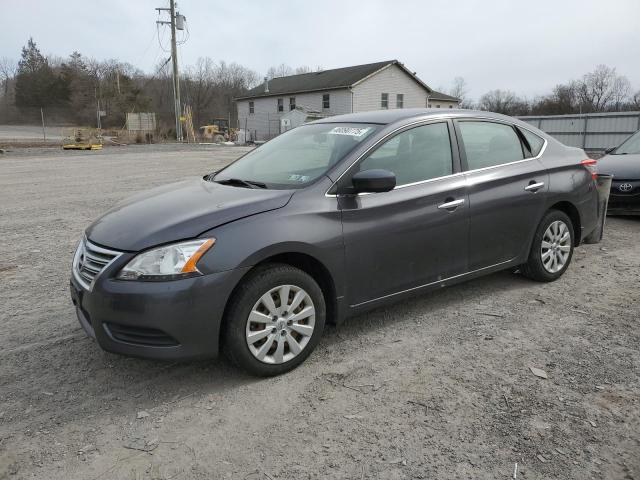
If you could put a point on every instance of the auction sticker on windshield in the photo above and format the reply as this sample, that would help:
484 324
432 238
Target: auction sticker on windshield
351 131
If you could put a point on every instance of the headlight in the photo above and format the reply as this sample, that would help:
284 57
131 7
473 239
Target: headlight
168 262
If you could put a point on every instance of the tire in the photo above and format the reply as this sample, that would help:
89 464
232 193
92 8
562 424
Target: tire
284 339
560 246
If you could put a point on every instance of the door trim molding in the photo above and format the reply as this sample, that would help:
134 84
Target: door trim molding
461 275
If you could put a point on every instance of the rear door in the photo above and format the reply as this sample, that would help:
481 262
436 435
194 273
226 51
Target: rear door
507 188
415 234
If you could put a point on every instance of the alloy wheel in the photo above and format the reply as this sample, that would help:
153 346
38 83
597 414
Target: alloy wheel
280 324
556 246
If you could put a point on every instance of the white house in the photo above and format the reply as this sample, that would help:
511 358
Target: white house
373 86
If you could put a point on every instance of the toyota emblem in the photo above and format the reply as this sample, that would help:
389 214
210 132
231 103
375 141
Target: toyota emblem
625 187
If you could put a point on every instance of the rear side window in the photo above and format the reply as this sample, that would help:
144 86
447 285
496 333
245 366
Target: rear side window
487 144
534 141
414 155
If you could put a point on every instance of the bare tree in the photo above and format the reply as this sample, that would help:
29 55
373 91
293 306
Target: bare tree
460 90
503 101
8 71
601 89
562 100
635 100
282 70
621 90
199 88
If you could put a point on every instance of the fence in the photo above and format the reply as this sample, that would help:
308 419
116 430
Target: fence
141 122
260 125
592 131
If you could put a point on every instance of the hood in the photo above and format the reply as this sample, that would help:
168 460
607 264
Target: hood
179 211
623 167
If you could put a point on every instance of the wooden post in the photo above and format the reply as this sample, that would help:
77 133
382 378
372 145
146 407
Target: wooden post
44 133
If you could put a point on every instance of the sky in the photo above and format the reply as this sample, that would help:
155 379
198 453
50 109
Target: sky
526 47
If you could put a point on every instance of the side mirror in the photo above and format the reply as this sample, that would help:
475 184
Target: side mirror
609 150
373 181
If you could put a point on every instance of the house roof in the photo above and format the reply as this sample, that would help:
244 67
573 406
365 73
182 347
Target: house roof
336 78
433 95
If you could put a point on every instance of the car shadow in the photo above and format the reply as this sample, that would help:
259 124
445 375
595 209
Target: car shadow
75 372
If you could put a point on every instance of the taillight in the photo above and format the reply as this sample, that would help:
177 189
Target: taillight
590 164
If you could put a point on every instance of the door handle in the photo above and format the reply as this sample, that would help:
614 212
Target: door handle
451 205
534 187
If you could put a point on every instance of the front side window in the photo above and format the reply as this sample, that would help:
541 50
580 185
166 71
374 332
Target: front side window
280 105
418 154
630 146
325 100
251 107
487 144
292 103
534 141
400 100
384 100
299 156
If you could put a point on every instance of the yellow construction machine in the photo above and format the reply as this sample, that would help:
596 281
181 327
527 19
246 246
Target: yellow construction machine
218 131
82 139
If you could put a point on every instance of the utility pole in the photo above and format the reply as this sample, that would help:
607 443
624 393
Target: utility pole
174 57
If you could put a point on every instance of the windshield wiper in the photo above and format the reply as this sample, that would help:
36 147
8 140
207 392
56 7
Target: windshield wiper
242 183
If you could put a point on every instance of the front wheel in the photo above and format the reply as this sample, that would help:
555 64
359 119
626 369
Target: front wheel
552 248
274 321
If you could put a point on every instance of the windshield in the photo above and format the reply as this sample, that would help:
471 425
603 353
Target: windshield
630 146
297 157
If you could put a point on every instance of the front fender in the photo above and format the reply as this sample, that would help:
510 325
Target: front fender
244 243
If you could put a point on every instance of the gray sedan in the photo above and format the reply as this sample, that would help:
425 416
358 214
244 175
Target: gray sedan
327 221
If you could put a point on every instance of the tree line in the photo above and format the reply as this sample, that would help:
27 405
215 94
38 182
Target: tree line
601 90
73 89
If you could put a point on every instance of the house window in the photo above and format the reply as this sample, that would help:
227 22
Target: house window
280 105
400 100
384 100
292 103
450 106
437 106
251 108
325 100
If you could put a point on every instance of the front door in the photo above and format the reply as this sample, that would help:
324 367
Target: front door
415 234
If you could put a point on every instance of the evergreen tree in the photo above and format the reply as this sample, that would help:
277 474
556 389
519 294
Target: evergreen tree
36 83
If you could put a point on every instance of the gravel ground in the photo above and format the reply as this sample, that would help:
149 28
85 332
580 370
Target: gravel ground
436 387
29 133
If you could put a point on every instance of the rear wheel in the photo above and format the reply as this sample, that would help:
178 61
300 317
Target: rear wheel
552 248
274 320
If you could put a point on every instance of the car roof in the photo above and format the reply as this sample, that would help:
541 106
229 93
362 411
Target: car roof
386 117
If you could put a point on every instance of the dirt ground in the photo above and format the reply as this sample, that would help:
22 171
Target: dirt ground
436 387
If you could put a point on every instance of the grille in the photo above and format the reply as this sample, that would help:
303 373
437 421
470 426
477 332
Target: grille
90 260
625 187
150 337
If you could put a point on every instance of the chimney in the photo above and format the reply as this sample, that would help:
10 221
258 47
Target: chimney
266 85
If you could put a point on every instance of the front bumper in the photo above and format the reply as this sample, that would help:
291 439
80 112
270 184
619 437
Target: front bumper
177 319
